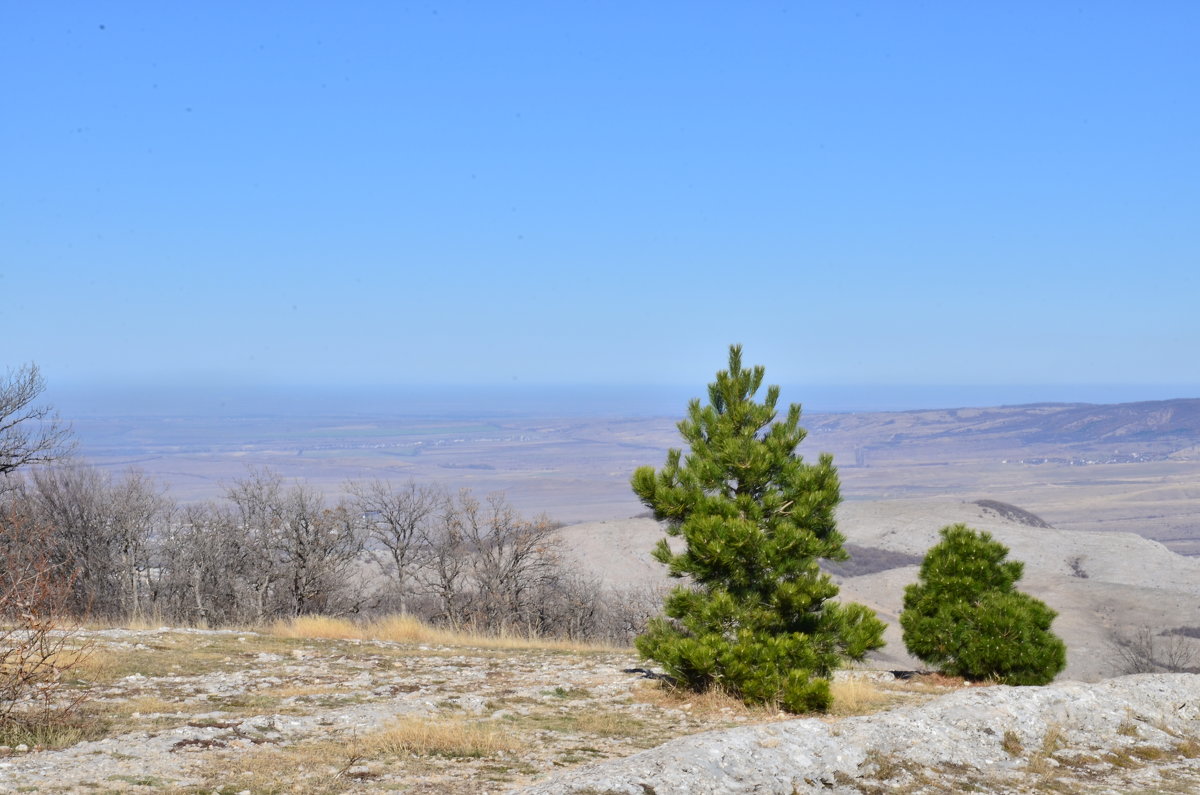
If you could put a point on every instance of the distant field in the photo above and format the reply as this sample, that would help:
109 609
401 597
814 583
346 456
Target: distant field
384 432
1131 467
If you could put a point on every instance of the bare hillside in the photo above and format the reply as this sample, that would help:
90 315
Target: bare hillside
1102 584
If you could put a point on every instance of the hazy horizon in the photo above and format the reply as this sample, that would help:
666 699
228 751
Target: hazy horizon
596 400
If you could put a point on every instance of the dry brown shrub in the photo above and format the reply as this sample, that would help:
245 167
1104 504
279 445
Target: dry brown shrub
39 642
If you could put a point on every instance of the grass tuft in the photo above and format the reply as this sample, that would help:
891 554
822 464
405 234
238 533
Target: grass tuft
451 737
53 730
1122 758
1128 729
408 629
1012 744
881 766
1053 741
1149 753
316 627
857 696
712 703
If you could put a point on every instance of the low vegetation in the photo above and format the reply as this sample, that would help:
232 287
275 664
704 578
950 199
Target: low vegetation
321 705
453 737
410 629
757 618
275 551
1144 651
965 617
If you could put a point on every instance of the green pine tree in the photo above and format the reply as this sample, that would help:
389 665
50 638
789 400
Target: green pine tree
757 619
966 618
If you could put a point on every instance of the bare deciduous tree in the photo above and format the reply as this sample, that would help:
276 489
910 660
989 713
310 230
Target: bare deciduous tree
29 433
317 547
137 508
123 549
102 528
486 566
258 506
512 559
72 501
205 568
398 521
305 551
1145 652
445 568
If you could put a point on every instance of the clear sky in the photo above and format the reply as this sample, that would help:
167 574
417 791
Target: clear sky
387 193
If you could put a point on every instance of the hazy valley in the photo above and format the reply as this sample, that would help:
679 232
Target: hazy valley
1132 467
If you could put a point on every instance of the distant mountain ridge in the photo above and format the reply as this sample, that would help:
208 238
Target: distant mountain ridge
1158 426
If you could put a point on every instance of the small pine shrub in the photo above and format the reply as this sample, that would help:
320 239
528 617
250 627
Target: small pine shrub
965 617
758 619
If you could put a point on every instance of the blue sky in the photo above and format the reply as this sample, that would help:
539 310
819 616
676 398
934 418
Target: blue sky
887 194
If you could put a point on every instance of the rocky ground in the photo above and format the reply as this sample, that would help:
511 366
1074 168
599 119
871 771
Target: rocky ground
194 711
1134 734
204 711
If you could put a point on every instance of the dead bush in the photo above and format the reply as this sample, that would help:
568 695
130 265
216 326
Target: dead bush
39 644
1145 652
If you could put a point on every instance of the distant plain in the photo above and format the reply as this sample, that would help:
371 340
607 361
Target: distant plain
1131 467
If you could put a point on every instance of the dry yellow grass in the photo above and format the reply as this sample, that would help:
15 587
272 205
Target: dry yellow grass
327 766
453 737
96 664
44 665
304 768
295 691
856 696
316 627
51 734
850 697
408 629
1043 762
606 723
145 705
145 622
711 703
1012 744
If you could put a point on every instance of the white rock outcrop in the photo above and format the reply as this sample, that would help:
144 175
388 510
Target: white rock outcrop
1090 737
